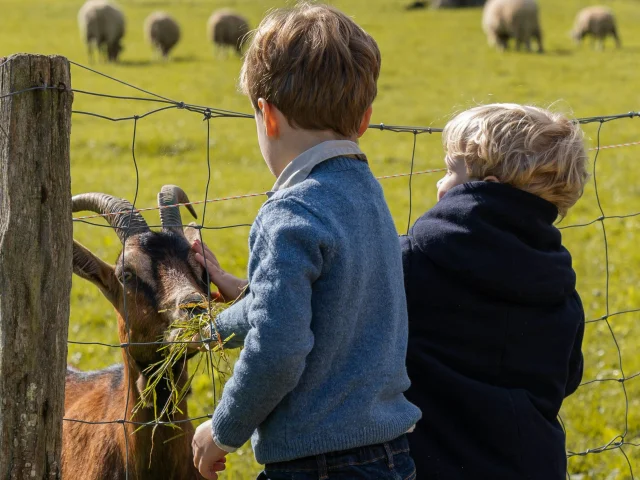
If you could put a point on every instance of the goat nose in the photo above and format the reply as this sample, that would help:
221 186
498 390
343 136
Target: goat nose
192 300
194 305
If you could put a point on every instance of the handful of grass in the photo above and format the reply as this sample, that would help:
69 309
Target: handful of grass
188 336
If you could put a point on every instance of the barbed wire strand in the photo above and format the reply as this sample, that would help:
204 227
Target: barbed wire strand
383 177
238 197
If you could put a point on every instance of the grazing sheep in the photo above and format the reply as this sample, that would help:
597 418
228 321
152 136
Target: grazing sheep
226 28
503 19
162 31
597 21
102 23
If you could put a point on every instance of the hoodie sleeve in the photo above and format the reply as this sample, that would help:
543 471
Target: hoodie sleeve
406 247
576 361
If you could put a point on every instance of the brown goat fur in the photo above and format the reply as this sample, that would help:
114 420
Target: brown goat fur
160 275
99 451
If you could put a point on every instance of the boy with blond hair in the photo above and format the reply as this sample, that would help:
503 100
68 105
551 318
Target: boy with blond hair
495 322
319 385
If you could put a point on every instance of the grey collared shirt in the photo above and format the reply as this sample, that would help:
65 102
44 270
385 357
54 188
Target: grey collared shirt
301 166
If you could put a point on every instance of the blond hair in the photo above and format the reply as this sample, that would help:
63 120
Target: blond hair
315 65
527 147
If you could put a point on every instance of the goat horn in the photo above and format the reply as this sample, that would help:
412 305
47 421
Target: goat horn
170 216
125 224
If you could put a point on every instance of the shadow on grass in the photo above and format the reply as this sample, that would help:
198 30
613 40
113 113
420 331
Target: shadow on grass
560 52
158 61
135 63
184 59
609 49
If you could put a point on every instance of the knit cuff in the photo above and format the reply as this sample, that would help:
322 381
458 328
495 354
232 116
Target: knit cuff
227 432
220 445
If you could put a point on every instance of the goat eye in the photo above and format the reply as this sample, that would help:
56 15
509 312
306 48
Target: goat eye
126 276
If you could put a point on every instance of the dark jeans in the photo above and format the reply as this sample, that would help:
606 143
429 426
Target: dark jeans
387 461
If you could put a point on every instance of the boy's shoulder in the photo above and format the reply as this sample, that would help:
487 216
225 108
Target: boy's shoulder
497 239
481 205
287 217
343 174
328 200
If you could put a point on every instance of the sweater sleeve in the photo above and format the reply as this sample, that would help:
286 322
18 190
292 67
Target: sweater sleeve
576 361
286 258
234 321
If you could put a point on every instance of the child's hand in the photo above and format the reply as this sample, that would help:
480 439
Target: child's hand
196 344
230 287
208 458
205 333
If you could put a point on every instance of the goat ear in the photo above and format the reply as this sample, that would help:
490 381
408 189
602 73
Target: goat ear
86 265
192 232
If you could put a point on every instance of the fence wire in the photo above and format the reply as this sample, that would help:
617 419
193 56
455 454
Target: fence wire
619 442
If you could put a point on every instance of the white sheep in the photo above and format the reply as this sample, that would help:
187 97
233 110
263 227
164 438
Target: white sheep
227 28
597 21
102 23
162 31
504 19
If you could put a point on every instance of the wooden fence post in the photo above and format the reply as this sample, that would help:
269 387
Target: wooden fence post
35 261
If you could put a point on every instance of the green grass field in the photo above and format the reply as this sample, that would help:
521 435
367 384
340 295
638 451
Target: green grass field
435 63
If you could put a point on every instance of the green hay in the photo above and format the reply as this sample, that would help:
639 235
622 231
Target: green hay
184 333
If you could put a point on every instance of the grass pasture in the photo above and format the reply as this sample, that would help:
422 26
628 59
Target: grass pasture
434 63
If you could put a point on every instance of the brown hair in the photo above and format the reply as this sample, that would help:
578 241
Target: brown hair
527 147
315 65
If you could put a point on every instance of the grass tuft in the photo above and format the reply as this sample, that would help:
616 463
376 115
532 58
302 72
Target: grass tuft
190 336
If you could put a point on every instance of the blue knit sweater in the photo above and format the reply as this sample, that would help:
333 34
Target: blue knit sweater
324 323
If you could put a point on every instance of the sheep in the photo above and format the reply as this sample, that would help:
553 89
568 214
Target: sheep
597 21
102 23
154 279
503 19
162 31
227 28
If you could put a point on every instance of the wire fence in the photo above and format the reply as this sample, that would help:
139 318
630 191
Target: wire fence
621 441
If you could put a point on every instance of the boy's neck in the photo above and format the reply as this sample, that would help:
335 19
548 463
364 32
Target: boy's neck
297 141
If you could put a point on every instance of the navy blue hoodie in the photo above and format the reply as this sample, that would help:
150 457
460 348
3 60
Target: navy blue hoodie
495 334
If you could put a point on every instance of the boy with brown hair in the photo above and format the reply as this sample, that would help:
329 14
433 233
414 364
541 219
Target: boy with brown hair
319 385
495 322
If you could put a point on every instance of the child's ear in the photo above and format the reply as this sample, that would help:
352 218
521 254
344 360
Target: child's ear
270 118
366 118
491 178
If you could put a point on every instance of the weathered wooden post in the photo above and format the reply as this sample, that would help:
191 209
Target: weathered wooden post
35 261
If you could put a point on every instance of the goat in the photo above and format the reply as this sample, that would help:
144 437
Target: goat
153 279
